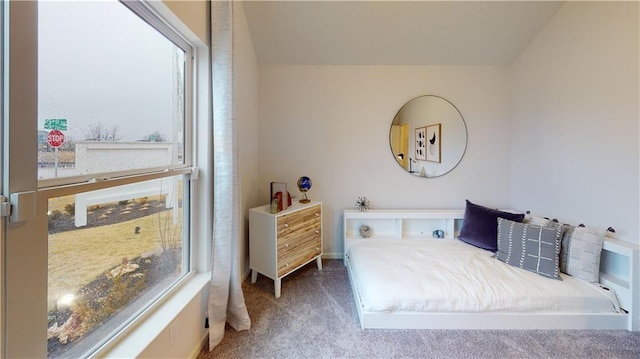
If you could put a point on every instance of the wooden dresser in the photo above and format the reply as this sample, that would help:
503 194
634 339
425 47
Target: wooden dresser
282 242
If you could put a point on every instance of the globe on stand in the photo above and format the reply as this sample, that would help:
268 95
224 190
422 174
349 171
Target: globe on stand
304 184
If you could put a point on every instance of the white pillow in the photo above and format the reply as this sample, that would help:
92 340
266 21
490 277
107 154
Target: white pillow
537 220
580 253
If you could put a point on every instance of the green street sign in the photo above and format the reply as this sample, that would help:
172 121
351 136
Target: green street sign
55 124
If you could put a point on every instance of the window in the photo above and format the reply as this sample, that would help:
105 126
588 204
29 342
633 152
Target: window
113 166
111 98
111 252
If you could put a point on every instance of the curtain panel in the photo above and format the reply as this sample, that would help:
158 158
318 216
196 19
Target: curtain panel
226 301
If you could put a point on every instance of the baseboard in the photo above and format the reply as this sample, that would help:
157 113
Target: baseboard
245 274
332 256
204 341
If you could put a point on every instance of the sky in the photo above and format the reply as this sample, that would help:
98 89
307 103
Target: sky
99 63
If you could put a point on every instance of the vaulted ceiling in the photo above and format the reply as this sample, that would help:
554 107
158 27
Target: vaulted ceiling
394 32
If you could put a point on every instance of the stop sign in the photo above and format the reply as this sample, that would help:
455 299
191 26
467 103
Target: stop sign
55 138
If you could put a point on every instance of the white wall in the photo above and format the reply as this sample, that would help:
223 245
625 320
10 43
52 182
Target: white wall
574 119
332 123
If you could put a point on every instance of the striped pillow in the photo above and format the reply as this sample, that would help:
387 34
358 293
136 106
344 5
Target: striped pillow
531 247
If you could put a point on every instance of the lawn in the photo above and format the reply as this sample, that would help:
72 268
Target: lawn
79 256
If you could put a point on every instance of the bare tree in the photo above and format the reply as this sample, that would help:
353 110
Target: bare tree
69 144
155 136
101 133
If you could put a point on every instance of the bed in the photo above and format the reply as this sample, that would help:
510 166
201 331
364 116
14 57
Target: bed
449 284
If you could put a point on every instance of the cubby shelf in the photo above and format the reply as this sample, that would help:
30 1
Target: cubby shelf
401 223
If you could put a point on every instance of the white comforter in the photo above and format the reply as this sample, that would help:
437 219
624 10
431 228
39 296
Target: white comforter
452 276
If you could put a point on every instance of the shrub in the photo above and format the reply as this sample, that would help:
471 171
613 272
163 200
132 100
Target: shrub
170 232
70 208
53 216
121 287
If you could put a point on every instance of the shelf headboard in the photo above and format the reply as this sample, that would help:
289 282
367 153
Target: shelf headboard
620 271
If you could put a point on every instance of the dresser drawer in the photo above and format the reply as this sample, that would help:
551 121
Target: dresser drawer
294 241
292 259
311 229
298 220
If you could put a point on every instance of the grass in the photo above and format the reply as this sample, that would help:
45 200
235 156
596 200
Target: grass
77 257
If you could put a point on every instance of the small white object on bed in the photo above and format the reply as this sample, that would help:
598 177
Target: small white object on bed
447 284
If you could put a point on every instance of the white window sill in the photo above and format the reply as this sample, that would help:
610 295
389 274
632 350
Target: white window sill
140 336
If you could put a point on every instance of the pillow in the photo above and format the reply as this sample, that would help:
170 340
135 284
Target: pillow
538 220
581 249
480 226
531 247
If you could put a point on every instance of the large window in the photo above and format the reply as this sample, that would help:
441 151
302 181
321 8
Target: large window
113 140
111 91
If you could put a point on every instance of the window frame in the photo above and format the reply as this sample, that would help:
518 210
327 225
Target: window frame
3 83
64 186
25 325
43 196
147 14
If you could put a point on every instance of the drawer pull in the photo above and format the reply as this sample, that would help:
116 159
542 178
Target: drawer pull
317 249
317 214
317 231
286 225
286 245
286 264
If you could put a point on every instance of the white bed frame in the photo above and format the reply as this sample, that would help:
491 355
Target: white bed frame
619 270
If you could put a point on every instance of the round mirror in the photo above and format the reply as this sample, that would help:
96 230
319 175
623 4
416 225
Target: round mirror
428 136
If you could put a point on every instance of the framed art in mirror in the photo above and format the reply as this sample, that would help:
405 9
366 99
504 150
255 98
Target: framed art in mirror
433 143
421 143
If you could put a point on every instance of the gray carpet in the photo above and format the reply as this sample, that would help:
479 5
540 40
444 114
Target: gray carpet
316 318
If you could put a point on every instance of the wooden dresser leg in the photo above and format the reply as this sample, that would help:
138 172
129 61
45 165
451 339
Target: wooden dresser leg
254 275
276 287
319 263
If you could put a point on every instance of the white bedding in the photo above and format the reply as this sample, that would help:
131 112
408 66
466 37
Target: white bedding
452 276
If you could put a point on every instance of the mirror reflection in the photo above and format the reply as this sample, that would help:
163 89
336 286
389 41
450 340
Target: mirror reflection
428 136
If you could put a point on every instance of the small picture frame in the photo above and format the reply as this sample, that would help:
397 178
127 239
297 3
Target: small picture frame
433 143
421 145
279 191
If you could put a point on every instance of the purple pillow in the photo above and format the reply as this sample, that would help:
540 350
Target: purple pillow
480 225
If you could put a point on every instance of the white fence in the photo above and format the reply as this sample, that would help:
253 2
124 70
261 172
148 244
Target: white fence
163 186
100 157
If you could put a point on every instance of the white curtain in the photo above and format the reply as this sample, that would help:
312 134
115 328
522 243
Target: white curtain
226 301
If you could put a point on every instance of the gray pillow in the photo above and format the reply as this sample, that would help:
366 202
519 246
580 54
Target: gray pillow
531 247
581 249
